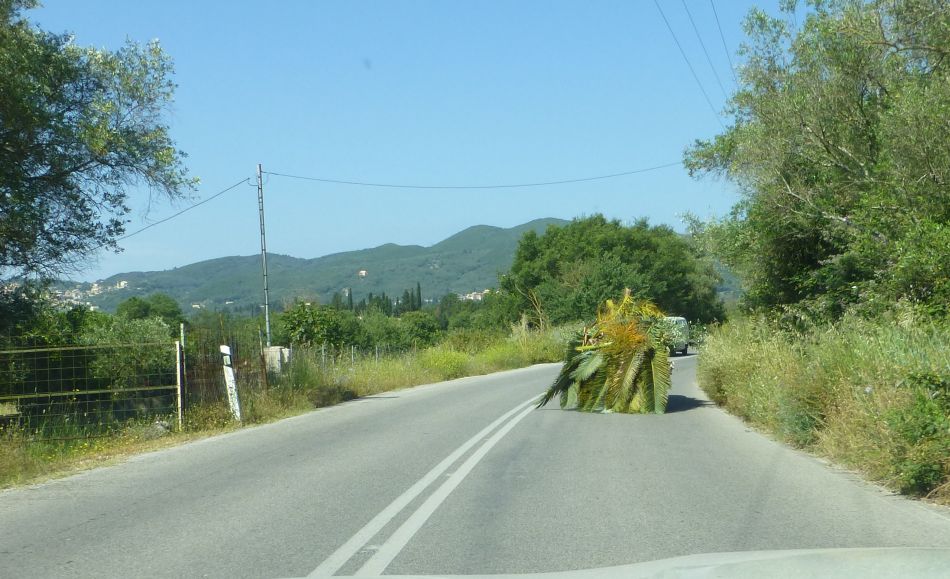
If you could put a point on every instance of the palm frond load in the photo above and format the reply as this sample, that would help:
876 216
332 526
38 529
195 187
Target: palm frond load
620 363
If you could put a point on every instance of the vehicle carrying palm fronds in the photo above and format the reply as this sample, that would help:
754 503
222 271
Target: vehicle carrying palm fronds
618 364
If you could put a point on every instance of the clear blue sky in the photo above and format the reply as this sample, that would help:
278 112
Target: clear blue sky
466 93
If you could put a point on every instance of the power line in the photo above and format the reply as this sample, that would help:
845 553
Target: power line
722 36
185 210
501 186
398 186
706 52
688 64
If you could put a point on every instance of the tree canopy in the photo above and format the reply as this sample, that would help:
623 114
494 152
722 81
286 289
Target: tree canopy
157 305
566 273
841 148
78 127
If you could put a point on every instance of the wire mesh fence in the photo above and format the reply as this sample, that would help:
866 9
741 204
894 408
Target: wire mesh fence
80 391
203 375
203 380
88 391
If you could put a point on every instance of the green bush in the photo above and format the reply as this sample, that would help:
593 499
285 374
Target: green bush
420 329
923 429
314 325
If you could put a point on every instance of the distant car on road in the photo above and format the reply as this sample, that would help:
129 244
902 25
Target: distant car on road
681 344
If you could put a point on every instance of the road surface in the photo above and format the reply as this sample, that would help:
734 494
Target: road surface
462 477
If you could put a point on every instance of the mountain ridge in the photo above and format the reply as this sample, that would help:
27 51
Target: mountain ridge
465 261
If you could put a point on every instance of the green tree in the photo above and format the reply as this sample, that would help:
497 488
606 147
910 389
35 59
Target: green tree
144 356
420 328
381 303
78 126
447 309
566 273
134 308
840 149
406 303
382 330
305 325
165 307
336 301
157 305
29 318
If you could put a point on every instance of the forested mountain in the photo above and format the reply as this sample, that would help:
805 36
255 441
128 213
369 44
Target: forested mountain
467 261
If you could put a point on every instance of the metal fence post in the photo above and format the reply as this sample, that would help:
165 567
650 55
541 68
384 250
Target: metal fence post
179 367
184 362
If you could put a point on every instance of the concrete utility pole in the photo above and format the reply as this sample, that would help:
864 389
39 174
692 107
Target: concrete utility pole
260 210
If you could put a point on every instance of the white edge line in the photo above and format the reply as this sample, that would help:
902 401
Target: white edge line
345 552
392 547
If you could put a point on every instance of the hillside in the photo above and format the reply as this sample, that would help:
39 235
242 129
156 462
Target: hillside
467 261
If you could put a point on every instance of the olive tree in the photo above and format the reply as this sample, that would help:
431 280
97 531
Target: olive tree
78 128
841 148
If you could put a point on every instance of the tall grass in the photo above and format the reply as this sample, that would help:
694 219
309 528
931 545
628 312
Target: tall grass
871 394
25 458
453 358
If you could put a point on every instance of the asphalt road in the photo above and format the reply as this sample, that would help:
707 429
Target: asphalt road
462 477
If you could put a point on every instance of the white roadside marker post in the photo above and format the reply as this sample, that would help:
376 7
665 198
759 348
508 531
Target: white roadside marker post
230 383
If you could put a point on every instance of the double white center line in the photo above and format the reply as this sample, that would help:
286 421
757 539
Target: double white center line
391 548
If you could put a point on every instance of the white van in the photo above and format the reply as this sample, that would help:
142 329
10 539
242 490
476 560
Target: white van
682 338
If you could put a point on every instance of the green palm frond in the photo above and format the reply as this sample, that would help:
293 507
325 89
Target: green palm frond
569 397
662 378
574 359
645 380
561 383
596 403
612 386
617 364
590 362
633 370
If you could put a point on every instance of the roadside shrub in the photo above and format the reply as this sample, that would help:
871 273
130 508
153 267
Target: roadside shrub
871 394
922 455
471 340
446 363
421 329
312 325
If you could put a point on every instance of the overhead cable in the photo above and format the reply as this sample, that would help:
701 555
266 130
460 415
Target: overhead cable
497 186
722 36
689 64
185 210
706 52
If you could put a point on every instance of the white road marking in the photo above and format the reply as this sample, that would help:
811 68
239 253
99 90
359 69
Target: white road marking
391 548
338 558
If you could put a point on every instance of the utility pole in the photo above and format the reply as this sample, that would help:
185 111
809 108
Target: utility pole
260 211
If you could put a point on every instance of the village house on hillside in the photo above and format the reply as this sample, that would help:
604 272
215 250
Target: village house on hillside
475 296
